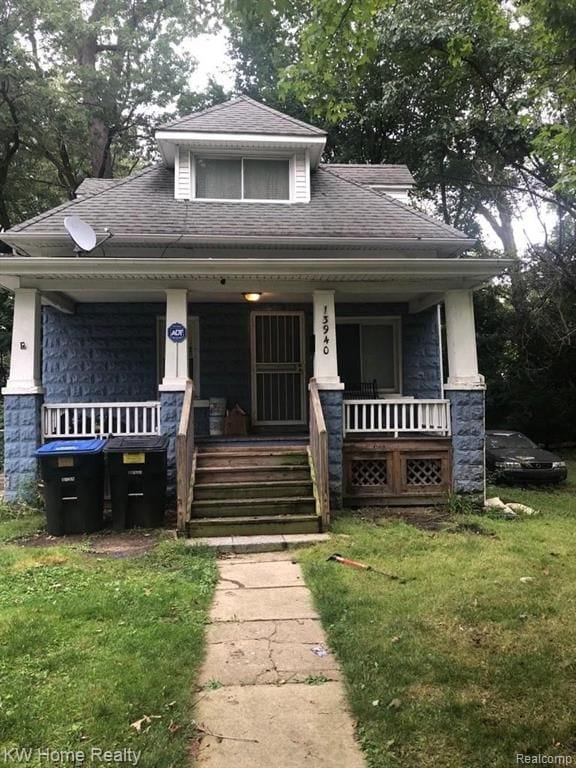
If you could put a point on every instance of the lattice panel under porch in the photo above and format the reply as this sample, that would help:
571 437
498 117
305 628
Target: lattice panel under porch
369 473
423 472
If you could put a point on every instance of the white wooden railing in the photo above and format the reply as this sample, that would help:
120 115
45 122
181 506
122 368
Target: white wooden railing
100 419
397 417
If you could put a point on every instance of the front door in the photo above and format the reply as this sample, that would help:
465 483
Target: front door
278 380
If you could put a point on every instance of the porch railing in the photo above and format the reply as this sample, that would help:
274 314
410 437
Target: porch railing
397 417
319 454
100 419
185 459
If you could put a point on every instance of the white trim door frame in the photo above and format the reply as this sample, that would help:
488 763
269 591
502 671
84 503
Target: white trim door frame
278 361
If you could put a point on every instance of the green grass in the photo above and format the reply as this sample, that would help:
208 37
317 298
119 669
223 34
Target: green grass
18 520
91 645
465 665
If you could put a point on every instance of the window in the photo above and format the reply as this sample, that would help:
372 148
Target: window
193 351
369 350
242 179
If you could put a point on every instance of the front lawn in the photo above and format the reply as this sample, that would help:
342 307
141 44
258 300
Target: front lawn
91 645
473 661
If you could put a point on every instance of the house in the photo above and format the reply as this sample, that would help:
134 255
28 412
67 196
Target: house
306 293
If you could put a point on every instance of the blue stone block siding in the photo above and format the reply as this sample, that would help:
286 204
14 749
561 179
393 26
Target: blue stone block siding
22 435
102 353
108 352
331 401
421 363
170 410
467 413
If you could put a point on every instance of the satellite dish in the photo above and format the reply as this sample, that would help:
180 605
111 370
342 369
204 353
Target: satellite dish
81 232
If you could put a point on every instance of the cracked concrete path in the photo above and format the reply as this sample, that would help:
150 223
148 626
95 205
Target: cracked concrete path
267 697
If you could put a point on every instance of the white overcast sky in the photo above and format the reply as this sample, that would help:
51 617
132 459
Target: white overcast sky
210 53
213 61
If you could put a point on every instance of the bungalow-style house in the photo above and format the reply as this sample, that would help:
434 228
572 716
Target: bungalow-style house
306 294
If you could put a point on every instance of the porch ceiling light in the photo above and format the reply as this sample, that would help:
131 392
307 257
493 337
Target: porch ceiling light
252 296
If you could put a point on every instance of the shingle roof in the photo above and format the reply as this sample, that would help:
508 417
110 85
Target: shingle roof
90 186
242 115
392 175
144 204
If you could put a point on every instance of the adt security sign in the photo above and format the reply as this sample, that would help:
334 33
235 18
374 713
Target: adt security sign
176 332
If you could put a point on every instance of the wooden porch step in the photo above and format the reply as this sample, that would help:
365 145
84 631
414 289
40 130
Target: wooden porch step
249 448
262 458
296 505
249 473
268 489
253 525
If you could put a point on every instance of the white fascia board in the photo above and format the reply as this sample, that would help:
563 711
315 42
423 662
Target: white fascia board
198 140
239 138
76 267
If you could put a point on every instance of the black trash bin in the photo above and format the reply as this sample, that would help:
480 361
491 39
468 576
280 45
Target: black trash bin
137 471
73 475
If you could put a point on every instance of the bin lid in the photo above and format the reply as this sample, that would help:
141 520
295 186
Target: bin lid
140 443
68 447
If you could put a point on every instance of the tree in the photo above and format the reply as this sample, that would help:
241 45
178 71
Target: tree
457 90
81 83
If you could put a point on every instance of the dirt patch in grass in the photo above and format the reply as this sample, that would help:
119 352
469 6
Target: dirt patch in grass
104 543
426 518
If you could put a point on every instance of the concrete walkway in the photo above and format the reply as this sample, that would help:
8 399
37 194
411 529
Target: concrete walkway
271 692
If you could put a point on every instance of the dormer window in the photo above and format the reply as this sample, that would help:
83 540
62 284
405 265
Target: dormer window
242 179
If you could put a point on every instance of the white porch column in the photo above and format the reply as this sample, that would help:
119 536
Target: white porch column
461 342
325 358
176 352
25 375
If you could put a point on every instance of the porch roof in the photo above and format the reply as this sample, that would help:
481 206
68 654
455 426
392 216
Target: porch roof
142 208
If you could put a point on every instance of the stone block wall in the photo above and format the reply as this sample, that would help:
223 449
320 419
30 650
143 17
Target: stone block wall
170 410
421 362
22 435
104 352
331 401
467 415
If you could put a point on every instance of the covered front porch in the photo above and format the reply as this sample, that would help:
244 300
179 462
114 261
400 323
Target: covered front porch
93 358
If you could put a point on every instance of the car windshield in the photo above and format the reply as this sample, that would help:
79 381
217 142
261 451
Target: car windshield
505 441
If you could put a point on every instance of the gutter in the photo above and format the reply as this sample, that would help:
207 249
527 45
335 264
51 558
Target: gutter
86 265
180 239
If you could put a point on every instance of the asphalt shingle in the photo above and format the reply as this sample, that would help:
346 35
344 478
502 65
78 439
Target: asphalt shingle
242 115
392 175
144 204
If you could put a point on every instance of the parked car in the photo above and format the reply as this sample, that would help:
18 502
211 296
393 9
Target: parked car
512 457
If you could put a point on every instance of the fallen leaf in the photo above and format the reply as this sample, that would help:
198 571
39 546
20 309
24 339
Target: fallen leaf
174 727
144 720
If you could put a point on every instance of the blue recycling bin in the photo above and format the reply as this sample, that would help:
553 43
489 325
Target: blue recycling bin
73 476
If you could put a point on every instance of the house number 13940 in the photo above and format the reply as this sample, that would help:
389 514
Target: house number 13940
325 332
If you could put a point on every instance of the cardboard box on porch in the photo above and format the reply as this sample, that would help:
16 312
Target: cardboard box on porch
236 422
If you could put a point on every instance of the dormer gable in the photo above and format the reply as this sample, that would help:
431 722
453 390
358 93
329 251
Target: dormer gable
241 151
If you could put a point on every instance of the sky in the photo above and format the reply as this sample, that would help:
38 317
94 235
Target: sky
210 53
213 61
